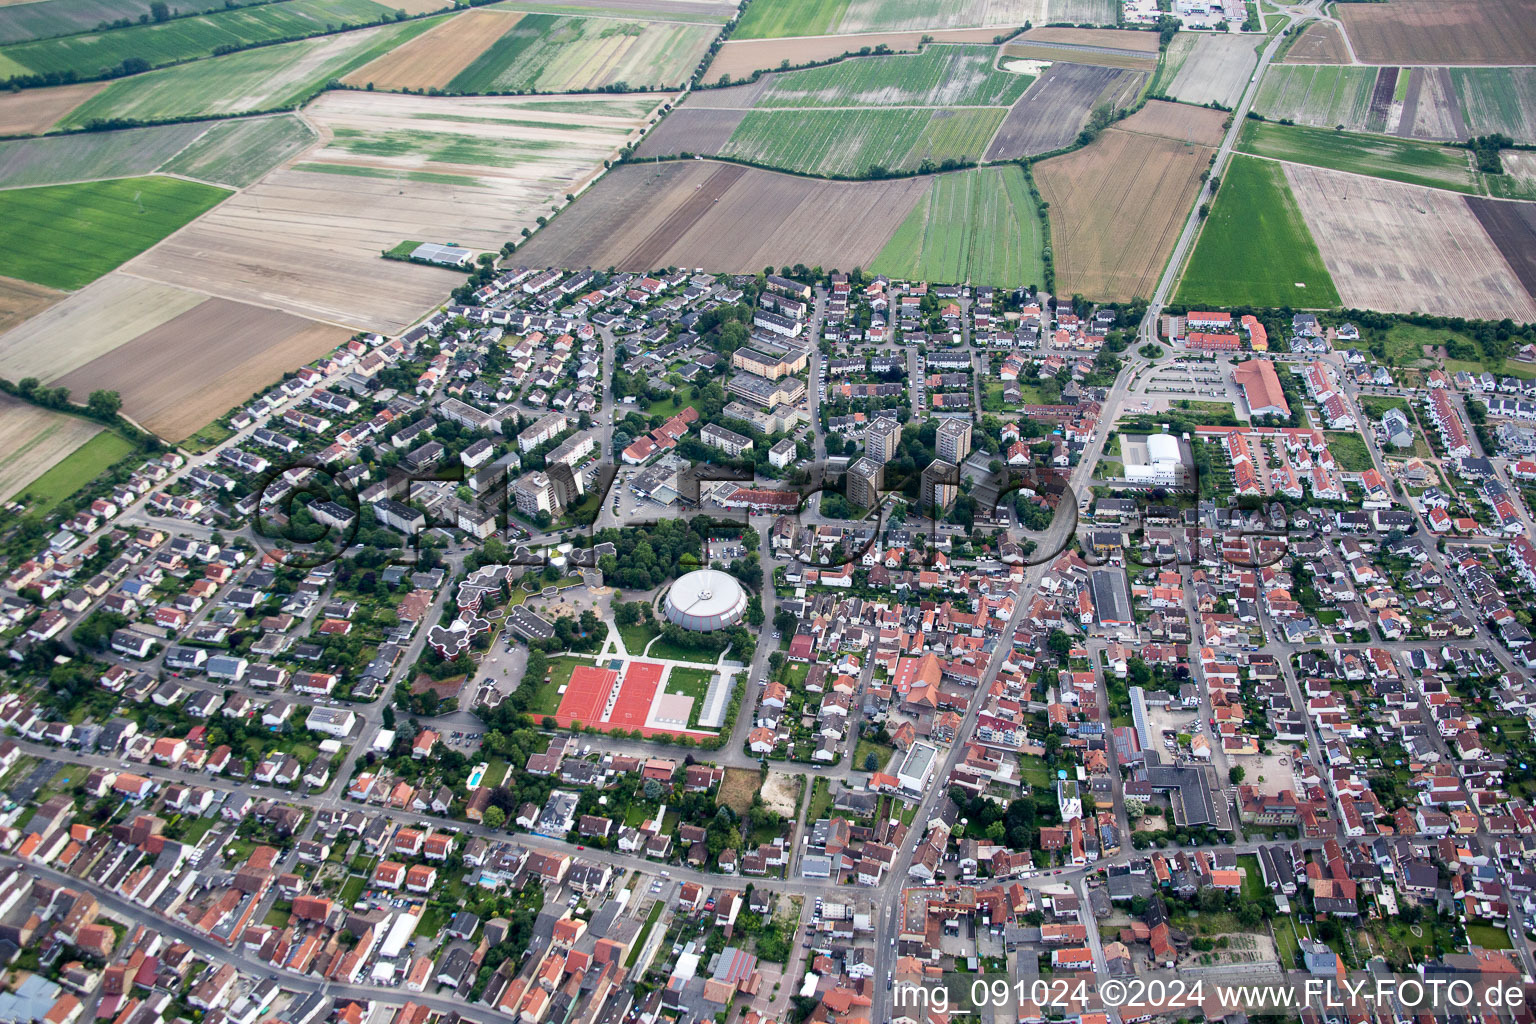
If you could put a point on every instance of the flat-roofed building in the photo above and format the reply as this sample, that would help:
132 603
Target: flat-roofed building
728 441
863 483
881 438
940 486
953 440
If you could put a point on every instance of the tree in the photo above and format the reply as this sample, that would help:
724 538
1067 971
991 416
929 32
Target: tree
495 817
1236 774
159 11
652 789
1135 807
104 404
871 762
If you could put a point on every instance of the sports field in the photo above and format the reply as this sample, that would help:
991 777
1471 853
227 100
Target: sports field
86 55
591 690
66 236
266 78
1254 248
1379 156
980 226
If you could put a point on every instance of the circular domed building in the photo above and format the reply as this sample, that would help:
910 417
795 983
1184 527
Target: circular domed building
705 600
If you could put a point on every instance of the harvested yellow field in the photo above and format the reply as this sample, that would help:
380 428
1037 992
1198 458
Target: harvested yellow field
432 59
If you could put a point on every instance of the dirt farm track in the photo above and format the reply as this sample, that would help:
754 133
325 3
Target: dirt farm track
725 217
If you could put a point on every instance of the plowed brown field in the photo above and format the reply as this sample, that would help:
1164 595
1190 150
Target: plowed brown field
31 111
724 217
1441 31
1320 43
183 374
432 59
22 300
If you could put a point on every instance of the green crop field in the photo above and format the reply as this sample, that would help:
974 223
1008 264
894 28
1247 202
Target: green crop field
849 142
265 78
66 236
1380 156
23 21
552 53
1499 100
775 19
181 39
943 76
1315 94
1254 248
440 147
92 155
240 152
595 10
77 469
979 225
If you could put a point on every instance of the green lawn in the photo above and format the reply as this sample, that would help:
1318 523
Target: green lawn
1380 156
433 918
207 439
645 933
821 800
691 682
1349 450
1488 936
1376 406
77 469
867 747
546 698
1254 248
351 889
66 236
637 636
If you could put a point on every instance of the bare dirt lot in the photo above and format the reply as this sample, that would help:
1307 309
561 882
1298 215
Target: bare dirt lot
689 130
1114 38
739 58
432 59
738 789
1441 31
1056 107
1320 43
181 375
391 167
32 440
22 300
781 793
35 110
88 324
1216 68
1512 226
1401 248
1118 204
725 217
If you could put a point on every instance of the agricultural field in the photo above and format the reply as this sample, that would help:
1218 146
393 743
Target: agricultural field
91 322
1512 226
89 156
88 55
850 143
435 58
1212 68
22 300
1379 156
1117 205
21 21
471 170
1053 111
642 216
1441 31
254 80
1082 12
1400 248
979 225
1064 53
940 76
31 111
65 236
1254 248
240 152
188 371
1519 178
741 58
32 440
1317 94
1501 100
691 129
774 19
552 53
1129 40
1319 43
1431 108
76 469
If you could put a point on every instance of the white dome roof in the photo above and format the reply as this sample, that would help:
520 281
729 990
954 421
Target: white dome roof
706 599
